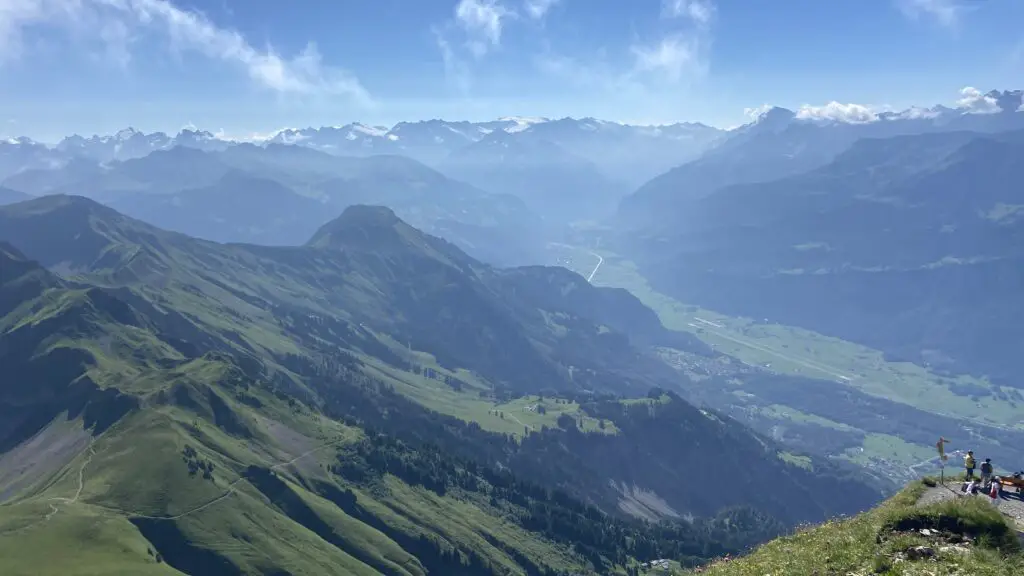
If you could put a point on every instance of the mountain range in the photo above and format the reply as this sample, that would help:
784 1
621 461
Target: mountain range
780 143
374 399
279 195
628 153
912 245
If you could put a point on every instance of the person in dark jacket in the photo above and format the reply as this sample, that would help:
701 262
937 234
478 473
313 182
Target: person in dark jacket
986 474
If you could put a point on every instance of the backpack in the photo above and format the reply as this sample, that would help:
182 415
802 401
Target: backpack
986 468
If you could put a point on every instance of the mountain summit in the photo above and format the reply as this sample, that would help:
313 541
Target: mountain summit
364 227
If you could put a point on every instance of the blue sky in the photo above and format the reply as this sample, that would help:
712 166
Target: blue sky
253 66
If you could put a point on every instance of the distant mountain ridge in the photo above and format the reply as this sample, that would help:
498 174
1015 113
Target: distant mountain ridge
280 194
781 143
352 138
910 245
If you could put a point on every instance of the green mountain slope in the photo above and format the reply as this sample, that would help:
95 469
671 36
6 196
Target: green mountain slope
241 409
922 530
189 466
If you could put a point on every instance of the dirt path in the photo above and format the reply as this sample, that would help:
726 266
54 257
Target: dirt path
231 487
81 484
227 492
936 494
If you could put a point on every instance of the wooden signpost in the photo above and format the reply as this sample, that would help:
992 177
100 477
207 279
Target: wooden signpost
941 446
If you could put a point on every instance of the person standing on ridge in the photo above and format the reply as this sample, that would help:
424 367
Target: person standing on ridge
969 464
986 473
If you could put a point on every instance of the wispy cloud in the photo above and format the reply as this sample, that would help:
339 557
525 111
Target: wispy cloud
473 30
538 9
671 57
683 50
482 22
118 24
455 69
700 11
945 12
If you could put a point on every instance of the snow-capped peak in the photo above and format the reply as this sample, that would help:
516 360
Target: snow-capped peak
292 135
378 131
520 123
21 141
915 113
195 134
126 133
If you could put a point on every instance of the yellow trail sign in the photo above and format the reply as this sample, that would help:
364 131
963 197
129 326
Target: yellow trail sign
941 446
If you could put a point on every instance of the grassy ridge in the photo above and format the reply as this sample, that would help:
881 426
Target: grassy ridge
975 539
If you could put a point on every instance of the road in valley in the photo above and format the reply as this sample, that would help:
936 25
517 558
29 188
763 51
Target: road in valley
600 260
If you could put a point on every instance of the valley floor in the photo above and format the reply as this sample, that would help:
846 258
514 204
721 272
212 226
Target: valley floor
759 346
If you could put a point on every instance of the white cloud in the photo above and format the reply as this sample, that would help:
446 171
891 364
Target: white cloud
117 24
683 51
700 11
476 27
671 57
945 12
972 101
756 112
838 112
662 62
482 22
537 9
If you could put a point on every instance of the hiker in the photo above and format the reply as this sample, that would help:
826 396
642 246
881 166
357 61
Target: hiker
969 464
986 473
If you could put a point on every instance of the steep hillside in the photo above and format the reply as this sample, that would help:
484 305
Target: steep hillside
390 349
911 246
122 451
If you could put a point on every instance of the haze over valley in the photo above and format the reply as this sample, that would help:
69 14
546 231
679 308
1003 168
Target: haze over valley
646 326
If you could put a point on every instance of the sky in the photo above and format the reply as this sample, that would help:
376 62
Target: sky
246 68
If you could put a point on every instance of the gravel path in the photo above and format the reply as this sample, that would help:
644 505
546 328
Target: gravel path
937 494
1011 504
